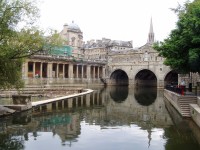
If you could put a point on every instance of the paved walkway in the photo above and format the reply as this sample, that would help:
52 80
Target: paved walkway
87 91
7 111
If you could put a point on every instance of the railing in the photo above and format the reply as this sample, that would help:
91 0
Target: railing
181 90
177 89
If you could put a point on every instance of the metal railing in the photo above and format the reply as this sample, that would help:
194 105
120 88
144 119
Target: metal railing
175 88
182 90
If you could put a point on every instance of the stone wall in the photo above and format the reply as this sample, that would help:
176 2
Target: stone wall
195 113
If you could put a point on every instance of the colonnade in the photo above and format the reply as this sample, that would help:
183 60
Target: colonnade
39 69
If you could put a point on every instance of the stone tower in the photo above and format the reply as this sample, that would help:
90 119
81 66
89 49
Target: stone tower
151 34
72 35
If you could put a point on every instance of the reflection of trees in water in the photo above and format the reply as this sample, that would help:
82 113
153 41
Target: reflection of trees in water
145 96
184 138
9 141
119 93
66 122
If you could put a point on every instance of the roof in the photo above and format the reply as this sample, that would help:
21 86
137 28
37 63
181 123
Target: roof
74 27
107 43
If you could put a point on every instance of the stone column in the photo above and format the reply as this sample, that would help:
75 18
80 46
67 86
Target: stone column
49 70
33 69
41 65
70 103
25 70
70 71
88 72
103 72
57 70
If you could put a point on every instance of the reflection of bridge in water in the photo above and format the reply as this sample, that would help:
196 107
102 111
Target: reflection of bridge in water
100 108
65 115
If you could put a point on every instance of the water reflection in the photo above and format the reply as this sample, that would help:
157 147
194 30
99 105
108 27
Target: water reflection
187 130
97 121
119 93
145 96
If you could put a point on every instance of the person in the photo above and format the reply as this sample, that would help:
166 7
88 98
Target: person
183 82
182 87
36 76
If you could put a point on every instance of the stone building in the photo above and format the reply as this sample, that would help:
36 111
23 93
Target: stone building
105 61
140 66
73 36
99 49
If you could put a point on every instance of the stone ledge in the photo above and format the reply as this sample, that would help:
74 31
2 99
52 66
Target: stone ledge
84 91
195 113
195 107
19 108
198 101
5 111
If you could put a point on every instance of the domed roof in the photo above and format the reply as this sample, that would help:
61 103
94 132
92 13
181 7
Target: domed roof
74 27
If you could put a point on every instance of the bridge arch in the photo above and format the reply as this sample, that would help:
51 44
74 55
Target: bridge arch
171 77
119 77
145 77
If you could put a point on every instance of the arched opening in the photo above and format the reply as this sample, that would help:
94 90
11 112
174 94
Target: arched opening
119 77
145 78
119 93
171 78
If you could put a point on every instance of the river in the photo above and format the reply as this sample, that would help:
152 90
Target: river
112 118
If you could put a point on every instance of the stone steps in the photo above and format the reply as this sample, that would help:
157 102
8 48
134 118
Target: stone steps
184 104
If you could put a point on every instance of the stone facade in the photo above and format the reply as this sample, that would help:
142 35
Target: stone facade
98 50
134 60
73 36
104 61
61 70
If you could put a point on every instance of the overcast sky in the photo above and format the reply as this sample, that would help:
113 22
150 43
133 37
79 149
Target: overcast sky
126 20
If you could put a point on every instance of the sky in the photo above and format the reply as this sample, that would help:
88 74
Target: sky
126 20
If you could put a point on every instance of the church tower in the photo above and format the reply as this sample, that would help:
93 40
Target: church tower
151 34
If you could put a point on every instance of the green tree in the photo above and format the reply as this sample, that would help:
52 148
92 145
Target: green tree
182 48
19 39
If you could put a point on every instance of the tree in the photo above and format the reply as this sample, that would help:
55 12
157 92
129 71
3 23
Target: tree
182 48
19 39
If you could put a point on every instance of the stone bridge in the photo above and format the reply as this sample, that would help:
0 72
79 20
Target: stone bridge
138 67
134 67
105 61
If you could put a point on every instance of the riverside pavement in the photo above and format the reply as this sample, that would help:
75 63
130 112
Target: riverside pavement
4 111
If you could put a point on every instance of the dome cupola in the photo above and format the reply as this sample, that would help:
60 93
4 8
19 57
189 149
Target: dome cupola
74 27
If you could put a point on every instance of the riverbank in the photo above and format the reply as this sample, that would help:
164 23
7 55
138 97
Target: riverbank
187 106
